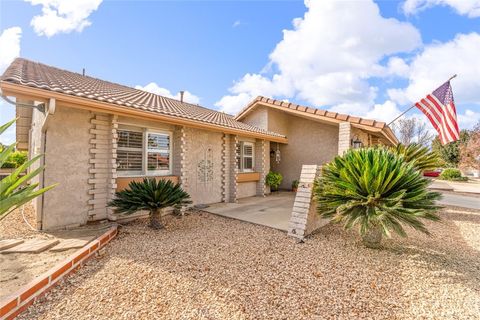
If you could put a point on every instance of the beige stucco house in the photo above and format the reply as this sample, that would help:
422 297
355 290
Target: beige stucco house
96 136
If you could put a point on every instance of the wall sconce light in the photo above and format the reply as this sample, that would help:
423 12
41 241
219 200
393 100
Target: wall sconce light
356 143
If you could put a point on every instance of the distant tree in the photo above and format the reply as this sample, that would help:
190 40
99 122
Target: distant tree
410 130
470 151
450 153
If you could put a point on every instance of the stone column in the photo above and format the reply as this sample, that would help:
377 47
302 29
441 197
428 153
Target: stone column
344 137
233 170
305 219
260 166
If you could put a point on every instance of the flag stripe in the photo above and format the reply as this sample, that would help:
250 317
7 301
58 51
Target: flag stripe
440 110
445 117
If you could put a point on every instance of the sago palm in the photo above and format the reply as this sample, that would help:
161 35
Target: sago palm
421 157
14 189
376 190
151 195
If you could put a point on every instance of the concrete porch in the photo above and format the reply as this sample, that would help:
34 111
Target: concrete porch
273 211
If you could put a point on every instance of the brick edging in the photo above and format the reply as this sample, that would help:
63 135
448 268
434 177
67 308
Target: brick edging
14 304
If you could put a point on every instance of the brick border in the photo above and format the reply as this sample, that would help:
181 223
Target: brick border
14 304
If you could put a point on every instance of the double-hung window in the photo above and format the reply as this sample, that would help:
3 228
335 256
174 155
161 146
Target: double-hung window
245 156
143 152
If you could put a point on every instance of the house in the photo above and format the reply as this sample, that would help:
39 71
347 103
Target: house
97 136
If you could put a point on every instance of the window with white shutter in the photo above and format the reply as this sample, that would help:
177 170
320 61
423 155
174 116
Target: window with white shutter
245 156
143 152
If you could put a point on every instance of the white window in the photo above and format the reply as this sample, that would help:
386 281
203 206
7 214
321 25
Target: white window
143 152
245 156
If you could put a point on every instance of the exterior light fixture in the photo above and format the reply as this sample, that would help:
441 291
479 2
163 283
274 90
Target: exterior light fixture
356 143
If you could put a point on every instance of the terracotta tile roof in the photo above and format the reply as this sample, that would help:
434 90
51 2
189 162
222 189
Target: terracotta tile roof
367 124
320 112
41 76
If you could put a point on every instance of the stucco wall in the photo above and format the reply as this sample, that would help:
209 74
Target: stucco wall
309 142
67 163
203 165
258 118
246 189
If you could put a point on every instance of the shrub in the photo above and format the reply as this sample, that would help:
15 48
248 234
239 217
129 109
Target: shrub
15 159
452 174
151 195
376 190
273 179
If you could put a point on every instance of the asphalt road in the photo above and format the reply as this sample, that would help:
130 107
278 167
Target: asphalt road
471 202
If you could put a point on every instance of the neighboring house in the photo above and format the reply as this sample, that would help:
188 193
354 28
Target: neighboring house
97 136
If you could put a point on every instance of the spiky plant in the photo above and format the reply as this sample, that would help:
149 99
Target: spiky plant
151 195
15 189
419 156
376 190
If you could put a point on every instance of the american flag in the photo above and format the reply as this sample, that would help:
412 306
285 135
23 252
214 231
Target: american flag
439 108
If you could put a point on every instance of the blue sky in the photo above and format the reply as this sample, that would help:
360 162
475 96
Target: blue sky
361 57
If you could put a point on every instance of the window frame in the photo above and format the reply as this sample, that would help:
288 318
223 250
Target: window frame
144 172
241 156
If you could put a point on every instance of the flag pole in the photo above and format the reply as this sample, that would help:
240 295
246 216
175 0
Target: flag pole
401 114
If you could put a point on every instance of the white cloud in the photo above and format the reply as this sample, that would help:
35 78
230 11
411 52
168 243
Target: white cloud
437 63
9 46
470 8
327 65
155 88
386 111
468 119
63 16
236 24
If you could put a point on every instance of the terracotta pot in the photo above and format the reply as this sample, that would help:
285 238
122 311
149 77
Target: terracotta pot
294 189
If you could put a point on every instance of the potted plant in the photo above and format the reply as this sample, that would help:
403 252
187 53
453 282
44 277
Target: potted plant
273 180
377 191
294 185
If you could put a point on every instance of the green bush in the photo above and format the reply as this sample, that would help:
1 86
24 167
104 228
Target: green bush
376 190
151 195
15 159
273 180
452 174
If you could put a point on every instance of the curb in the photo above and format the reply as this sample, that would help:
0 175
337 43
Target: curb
14 304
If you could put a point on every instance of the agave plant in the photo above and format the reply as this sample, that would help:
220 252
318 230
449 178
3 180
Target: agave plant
419 156
376 190
151 195
14 189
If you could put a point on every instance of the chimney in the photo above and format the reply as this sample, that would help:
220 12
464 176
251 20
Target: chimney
83 72
181 95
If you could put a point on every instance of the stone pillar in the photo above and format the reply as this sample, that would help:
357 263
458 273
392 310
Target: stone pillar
305 219
344 137
233 172
260 166
103 161
226 167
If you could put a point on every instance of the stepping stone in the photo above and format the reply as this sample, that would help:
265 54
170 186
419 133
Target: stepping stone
9 243
32 246
68 244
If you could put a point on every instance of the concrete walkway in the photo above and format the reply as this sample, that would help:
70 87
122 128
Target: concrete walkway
273 211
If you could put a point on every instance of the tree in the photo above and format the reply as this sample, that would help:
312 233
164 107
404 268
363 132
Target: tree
151 195
470 151
450 153
410 130
14 189
376 190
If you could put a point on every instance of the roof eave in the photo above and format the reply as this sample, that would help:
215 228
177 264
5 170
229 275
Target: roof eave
26 92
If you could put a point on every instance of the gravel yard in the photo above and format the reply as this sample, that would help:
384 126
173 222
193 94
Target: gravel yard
208 267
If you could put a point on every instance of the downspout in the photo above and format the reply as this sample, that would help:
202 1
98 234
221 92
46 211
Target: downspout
43 148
